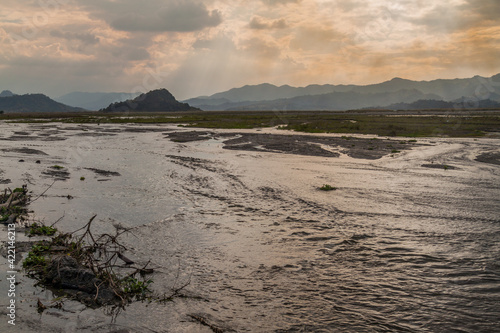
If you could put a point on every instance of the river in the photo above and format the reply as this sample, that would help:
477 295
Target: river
409 242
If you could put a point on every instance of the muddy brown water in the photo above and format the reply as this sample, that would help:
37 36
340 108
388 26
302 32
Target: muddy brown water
397 247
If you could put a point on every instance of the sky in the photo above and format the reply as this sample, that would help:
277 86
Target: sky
195 48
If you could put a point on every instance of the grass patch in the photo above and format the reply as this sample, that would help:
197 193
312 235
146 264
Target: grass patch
57 167
431 124
136 288
34 262
327 187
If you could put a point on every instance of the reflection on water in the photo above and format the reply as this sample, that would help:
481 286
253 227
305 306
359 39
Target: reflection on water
397 247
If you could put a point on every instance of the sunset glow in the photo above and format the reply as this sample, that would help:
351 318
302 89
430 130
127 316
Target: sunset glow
196 48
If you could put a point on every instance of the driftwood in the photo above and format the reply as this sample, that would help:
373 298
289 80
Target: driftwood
125 259
10 201
84 266
12 204
202 319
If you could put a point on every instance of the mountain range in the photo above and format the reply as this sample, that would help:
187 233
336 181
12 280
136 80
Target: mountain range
344 97
395 94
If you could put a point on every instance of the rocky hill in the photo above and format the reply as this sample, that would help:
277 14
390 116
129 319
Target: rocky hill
159 100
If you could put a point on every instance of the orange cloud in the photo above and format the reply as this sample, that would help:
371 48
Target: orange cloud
261 24
112 44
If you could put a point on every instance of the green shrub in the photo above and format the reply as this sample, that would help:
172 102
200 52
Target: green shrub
34 260
327 187
41 230
39 248
135 287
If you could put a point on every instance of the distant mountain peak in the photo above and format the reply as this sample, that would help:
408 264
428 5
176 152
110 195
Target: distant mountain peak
158 94
158 100
7 93
398 79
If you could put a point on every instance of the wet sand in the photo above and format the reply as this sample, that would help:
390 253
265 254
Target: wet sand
401 245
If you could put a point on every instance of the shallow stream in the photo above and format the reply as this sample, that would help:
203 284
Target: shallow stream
398 246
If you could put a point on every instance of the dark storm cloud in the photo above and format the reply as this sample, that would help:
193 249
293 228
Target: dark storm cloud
485 10
178 16
153 15
471 14
440 18
85 37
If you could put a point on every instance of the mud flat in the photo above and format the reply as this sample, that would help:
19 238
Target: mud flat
238 216
306 145
491 157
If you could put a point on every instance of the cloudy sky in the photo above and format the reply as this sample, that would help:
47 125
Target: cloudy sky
194 48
